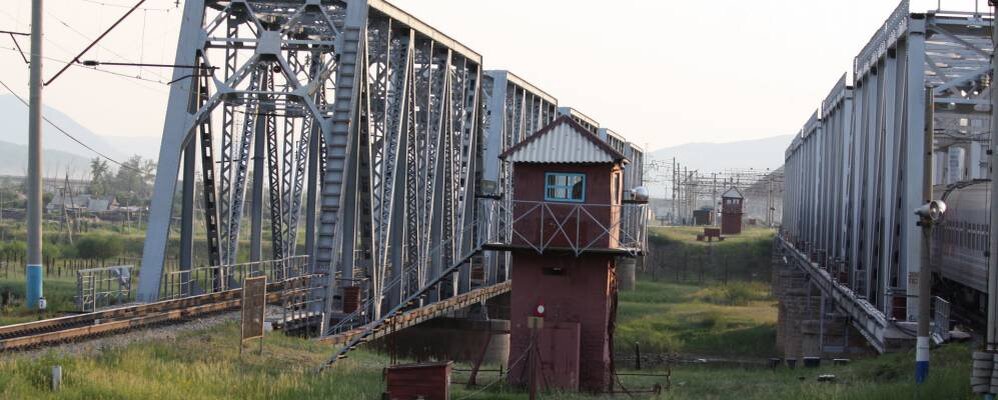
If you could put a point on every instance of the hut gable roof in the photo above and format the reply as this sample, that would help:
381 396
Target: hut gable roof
732 193
563 141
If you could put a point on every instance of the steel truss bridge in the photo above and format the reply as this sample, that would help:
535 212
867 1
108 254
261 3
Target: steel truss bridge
855 172
348 131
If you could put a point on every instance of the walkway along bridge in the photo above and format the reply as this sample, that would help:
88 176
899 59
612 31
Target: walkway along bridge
355 134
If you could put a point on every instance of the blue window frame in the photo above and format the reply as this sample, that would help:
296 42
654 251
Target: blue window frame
565 187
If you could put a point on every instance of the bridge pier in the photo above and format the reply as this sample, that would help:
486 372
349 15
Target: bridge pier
809 323
626 272
454 339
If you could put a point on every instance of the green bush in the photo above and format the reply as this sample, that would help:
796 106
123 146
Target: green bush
13 249
732 294
99 246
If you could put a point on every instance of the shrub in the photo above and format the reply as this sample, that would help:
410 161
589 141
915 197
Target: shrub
13 249
99 246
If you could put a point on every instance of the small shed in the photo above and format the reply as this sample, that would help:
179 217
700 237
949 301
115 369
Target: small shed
703 216
732 205
424 381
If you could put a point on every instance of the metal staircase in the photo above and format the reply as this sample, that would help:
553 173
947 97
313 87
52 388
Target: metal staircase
337 140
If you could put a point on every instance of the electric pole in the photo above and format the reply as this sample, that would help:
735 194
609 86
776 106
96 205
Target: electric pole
675 209
770 204
34 206
924 272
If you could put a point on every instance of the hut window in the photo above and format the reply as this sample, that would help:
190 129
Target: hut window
562 186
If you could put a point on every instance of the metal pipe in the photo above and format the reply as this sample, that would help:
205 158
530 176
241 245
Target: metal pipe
34 206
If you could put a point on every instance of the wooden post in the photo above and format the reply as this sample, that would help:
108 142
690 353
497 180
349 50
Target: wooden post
637 356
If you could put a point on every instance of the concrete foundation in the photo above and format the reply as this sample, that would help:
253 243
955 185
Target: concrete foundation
808 324
626 273
452 339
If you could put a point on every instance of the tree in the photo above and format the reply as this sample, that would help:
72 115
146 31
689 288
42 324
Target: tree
133 183
99 177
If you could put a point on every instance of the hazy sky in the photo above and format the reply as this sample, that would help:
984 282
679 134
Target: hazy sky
659 72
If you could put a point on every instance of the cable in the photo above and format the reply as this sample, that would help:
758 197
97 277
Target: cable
57 127
124 6
96 69
95 42
508 371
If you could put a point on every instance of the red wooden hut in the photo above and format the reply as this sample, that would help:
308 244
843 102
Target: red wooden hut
566 212
731 211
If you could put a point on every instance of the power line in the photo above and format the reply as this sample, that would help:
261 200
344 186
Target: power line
63 131
94 42
96 69
100 3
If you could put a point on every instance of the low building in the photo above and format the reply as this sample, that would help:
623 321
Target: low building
81 203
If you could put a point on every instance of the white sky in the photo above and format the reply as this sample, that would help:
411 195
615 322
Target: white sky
661 73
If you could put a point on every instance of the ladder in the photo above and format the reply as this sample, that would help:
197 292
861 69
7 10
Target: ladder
336 142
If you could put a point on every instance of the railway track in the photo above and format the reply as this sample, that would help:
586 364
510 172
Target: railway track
76 327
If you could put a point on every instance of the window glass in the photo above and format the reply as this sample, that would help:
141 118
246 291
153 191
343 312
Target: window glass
563 186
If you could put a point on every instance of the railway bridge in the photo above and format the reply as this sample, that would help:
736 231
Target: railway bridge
357 135
911 123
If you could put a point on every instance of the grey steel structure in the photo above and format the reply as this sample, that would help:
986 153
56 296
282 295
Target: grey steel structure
514 109
582 119
855 171
347 131
364 120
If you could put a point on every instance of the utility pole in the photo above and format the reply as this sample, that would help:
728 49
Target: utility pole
771 203
675 209
34 206
713 197
924 273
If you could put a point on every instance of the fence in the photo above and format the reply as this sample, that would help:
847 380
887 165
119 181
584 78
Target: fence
579 227
101 287
213 279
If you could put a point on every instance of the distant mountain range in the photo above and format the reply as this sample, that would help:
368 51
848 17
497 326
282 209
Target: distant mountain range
62 152
758 154
60 149
55 163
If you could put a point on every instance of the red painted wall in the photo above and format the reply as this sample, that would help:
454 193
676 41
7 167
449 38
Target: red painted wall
602 207
579 294
731 216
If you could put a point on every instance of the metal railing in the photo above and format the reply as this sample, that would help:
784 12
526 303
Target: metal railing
213 279
412 280
101 287
542 225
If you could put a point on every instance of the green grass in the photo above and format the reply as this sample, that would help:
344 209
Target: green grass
59 294
207 365
688 235
674 255
734 320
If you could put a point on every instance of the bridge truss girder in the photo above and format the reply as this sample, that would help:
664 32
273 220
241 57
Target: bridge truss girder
855 172
359 113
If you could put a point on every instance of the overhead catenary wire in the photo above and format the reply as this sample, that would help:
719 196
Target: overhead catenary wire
95 42
104 4
69 135
93 68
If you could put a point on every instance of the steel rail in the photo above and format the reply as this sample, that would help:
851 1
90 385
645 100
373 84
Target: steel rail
62 329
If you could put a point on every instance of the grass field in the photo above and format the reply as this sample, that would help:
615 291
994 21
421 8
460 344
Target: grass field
206 365
729 315
736 320
674 255
59 294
